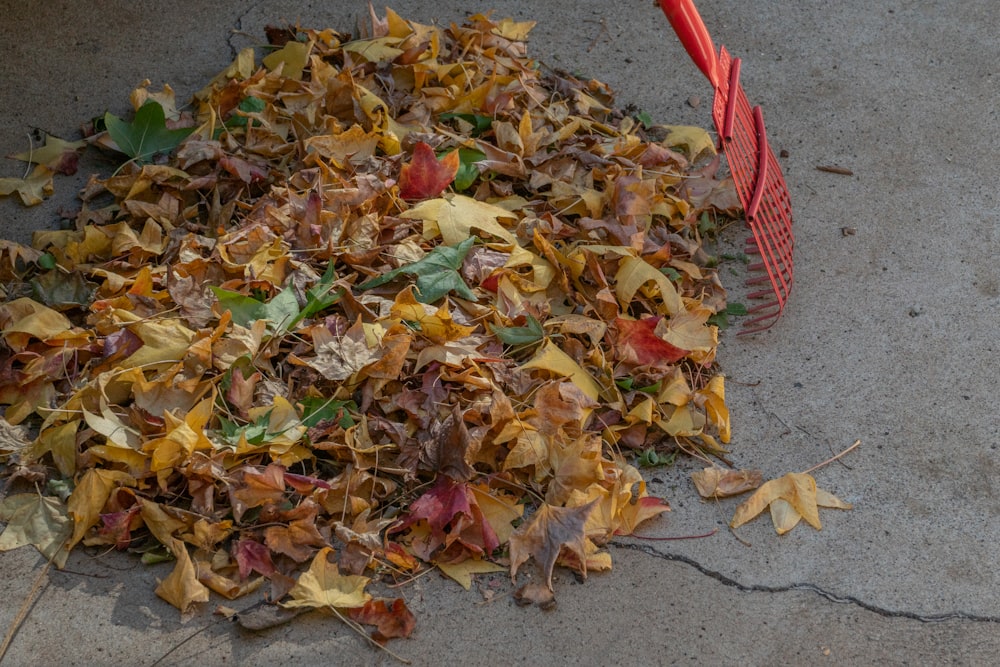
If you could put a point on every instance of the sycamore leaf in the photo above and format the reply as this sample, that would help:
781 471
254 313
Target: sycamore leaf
146 135
437 273
549 530
322 586
40 521
425 176
799 498
58 155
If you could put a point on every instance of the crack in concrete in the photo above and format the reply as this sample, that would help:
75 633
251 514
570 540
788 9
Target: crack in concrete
238 30
805 586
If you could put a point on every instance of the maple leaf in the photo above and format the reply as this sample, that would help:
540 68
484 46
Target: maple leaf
454 217
182 587
639 344
716 482
32 189
322 586
454 519
791 497
390 618
37 520
89 497
425 176
550 530
252 556
437 273
57 154
146 135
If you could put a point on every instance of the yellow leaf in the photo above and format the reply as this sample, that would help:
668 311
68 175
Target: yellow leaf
516 31
462 572
164 341
88 498
37 520
550 357
714 398
293 56
182 588
798 495
323 586
694 140
457 217
52 153
437 326
33 189
633 273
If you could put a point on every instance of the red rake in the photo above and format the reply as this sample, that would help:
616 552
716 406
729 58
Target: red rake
759 182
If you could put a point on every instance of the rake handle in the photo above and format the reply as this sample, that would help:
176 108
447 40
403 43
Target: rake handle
691 30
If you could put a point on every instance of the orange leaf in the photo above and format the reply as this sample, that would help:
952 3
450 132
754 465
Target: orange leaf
426 176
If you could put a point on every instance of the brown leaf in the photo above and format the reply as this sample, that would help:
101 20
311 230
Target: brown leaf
550 530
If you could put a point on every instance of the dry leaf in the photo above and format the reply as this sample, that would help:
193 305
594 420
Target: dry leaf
790 498
715 482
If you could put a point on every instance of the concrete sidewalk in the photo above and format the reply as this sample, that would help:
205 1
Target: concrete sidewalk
890 337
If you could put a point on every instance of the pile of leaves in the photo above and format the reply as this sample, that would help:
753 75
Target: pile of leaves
367 308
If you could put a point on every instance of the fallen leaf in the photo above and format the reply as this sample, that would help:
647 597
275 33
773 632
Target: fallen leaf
40 521
425 176
798 496
462 571
547 532
57 154
391 618
716 482
146 135
322 586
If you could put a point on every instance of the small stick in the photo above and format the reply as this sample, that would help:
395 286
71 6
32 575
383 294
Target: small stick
833 169
29 602
832 458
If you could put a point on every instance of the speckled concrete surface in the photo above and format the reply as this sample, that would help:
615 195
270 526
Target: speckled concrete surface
890 337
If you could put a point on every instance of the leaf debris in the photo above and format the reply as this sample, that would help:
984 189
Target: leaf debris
290 346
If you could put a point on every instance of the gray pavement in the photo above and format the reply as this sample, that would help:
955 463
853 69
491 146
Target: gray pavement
890 337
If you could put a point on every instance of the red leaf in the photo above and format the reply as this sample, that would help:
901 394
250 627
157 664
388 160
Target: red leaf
252 555
638 343
390 621
454 518
425 176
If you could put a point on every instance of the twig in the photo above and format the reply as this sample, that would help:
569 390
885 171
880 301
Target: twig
361 631
832 458
29 602
832 169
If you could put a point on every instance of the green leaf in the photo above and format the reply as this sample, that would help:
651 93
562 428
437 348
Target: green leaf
63 291
47 261
281 312
468 172
146 135
436 274
255 433
320 296
479 123
531 333
644 118
316 410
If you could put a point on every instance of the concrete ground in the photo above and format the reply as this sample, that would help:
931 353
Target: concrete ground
890 337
